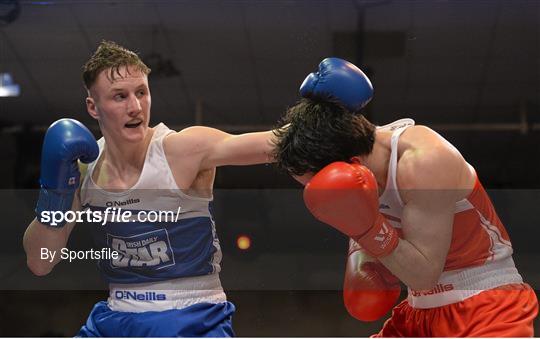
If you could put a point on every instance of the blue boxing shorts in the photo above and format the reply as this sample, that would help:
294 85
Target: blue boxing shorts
197 320
182 307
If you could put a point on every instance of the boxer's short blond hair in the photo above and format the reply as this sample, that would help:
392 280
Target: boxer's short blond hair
111 56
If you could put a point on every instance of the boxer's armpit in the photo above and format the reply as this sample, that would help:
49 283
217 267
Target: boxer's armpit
83 168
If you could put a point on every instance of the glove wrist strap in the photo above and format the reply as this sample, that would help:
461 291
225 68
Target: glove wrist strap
380 240
51 201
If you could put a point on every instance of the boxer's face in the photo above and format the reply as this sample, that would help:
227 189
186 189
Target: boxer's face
122 105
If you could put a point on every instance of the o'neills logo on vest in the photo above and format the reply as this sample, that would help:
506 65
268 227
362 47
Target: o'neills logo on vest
122 203
440 288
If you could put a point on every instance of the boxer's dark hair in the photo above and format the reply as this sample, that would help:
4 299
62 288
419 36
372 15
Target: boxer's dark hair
110 55
319 133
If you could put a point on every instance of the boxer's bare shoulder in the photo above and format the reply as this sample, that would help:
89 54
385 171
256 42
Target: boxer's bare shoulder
185 151
189 142
427 161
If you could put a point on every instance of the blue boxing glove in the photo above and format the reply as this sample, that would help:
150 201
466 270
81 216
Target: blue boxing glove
66 141
340 81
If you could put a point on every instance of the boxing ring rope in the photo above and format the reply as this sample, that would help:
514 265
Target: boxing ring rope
522 127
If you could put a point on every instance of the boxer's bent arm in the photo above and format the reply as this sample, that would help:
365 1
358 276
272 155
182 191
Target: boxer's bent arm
214 148
38 236
430 195
419 258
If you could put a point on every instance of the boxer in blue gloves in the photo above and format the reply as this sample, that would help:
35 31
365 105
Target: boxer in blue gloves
165 280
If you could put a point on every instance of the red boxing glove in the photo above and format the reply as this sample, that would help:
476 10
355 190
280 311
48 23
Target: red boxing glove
345 196
370 290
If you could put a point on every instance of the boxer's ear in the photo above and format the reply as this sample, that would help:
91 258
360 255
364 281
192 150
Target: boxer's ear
91 107
355 160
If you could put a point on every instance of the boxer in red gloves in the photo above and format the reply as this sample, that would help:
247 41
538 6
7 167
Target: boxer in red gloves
414 210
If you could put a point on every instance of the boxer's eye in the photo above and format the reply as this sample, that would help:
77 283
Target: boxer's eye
119 97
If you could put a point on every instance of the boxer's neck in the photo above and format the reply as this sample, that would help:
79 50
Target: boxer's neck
378 160
123 156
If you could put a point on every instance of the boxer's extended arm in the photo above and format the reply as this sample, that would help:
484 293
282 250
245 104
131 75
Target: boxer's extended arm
210 147
303 179
429 187
38 236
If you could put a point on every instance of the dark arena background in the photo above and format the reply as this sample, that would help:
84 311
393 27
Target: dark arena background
468 69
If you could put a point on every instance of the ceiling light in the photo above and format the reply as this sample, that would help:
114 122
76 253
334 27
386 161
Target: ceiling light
7 87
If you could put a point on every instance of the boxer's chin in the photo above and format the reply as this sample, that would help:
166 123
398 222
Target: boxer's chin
135 132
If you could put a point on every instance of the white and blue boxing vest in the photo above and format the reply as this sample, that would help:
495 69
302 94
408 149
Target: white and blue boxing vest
185 246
